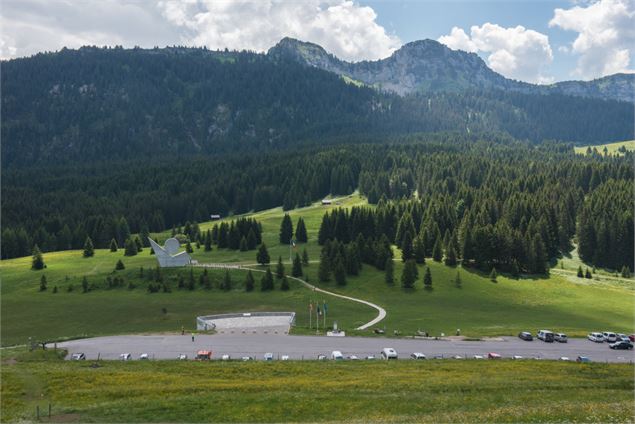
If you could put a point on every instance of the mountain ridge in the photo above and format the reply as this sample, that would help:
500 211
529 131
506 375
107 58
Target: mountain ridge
429 66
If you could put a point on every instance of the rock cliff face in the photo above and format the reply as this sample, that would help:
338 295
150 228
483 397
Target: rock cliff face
428 66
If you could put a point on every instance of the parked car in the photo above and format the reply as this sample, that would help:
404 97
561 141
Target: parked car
582 359
493 355
268 356
478 357
353 358
144 356
284 358
621 345
609 337
225 357
622 337
370 357
631 338
321 357
564 358
125 356
336 355
517 357
78 357
525 335
545 336
560 337
182 357
246 358
596 337
203 355
389 353
418 355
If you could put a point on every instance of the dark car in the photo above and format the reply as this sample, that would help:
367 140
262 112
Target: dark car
525 335
621 345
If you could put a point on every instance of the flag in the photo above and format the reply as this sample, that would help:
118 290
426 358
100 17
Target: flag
319 312
324 307
310 306
293 243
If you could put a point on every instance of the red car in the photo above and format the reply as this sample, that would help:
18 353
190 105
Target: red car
632 337
493 355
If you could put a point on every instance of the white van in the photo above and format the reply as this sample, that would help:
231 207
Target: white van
336 355
388 353
545 336
609 337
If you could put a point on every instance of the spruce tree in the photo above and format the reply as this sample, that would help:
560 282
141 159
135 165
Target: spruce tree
188 247
580 273
38 260
208 241
419 250
243 244
252 242
113 245
54 289
89 249
300 231
493 275
249 282
43 283
139 245
324 269
406 247
437 252
409 274
427 279
450 256
457 280
296 271
130 248
266 283
389 277
280 268
305 257
262 257
515 269
339 271
587 274
284 286
119 266
227 281
626 272
286 230
190 281
84 284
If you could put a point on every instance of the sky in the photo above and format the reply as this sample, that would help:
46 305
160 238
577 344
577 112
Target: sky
539 41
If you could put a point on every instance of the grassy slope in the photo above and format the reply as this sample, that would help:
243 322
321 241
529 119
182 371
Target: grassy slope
480 307
408 391
612 147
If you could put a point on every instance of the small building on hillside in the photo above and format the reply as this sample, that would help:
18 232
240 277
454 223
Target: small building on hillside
214 217
326 202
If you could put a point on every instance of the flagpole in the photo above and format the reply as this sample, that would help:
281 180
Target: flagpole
324 309
310 315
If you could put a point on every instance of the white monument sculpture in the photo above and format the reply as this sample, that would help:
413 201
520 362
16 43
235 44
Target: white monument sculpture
169 255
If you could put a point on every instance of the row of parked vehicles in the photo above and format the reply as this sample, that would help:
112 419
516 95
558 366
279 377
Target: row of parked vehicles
616 341
544 335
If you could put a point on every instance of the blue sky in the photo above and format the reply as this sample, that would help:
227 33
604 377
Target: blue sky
534 41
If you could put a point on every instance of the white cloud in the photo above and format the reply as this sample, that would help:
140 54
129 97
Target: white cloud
346 29
514 52
606 35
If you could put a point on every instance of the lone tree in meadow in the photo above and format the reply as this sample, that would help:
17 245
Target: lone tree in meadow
493 275
305 257
249 282
38 261
119 266
130 248
113 245
390 272
587 274
266 283
262 257
284 286
89 249
427 279
296 271
580 272
43 283
227 281
286 230
280 268
409 274
300 231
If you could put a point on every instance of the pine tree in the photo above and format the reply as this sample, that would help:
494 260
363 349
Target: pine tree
181 284
89 249
286 230
450 256
130 248
419 250
43 283
409 274
208 241
300 231
119 266
296 271
139 245
266 283
305 257
626 272
84 284
457 280
284 286
427 279
38 260
279 268
324 269
113 245
243 244
437 252
188 247
587 274
262 257
406 247
339 272
493 275
227 281
144 234
515 269
252 242
249 282
54 289
190 281
389 277
580 273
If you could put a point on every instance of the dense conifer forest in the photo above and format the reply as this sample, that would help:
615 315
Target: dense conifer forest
489 200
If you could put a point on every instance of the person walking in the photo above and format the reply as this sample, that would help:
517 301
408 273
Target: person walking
192 337
182 330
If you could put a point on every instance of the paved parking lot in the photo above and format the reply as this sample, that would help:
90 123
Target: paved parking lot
308 347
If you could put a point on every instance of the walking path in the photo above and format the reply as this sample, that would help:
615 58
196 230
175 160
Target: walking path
381 312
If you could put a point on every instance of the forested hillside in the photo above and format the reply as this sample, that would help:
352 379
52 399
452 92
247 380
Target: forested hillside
97 104
493 201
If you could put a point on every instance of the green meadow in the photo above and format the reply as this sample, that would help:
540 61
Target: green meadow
311 391
612 148
479 307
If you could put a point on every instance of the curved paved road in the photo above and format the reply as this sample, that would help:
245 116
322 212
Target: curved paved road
381 312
